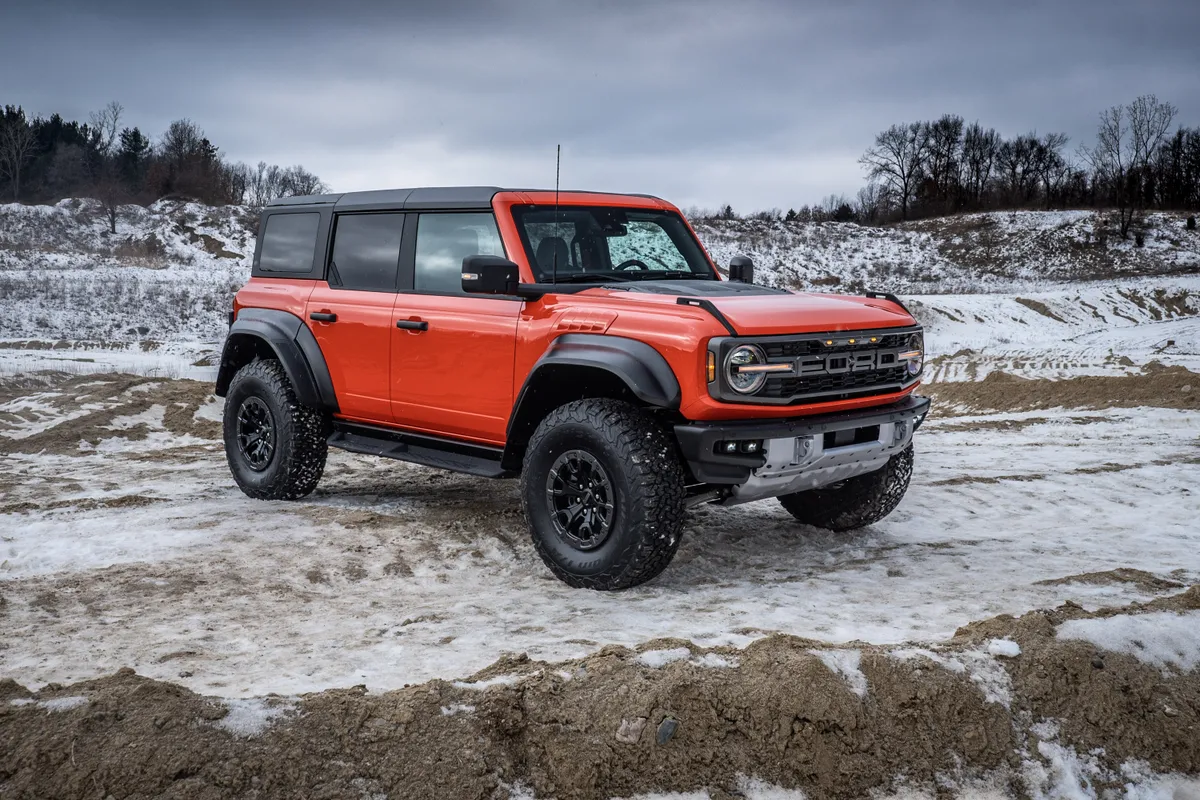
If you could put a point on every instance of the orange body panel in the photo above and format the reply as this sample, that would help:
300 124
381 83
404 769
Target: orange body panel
455 378
461 377
357 348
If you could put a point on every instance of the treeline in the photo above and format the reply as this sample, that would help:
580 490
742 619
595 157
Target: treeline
46 159
932 168
1136 163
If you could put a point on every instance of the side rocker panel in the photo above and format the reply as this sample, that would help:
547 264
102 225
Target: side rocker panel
292 343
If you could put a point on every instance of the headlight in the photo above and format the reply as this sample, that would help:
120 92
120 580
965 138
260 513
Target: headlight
915 355
746 355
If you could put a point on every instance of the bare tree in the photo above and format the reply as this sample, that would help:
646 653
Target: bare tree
110 189
978 159
943 150
182 141
1051 167
897 160
1016 159
1127 138
106 123
297 181
17 145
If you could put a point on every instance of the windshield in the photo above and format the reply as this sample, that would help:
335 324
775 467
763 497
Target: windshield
609 244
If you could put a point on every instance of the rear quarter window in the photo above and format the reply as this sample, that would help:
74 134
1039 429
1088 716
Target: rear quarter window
289 242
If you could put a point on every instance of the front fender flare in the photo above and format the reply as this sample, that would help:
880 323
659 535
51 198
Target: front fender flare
637 364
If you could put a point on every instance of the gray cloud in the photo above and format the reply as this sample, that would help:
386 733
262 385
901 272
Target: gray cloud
754 103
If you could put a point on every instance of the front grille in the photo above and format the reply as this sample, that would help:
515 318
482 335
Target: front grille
841 386
825 367
813 346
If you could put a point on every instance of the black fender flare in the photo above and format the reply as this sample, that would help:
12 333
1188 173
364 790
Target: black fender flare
637 365
292 343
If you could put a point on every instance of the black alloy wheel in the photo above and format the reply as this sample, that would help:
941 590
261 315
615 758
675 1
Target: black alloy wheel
256 433
580 497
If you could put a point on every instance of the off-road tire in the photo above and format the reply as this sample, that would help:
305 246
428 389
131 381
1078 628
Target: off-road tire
855 502
647 478
300 434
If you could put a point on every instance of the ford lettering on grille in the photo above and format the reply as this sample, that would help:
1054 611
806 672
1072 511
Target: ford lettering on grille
854 361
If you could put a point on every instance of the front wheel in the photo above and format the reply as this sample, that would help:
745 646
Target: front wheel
855 502
603 490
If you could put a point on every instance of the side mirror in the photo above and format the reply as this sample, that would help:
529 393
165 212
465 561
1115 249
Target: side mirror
489 275
741 269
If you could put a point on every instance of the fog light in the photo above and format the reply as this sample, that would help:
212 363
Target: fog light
750 447
729 447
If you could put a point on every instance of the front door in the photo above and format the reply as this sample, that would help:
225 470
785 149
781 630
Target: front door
351 312
452 353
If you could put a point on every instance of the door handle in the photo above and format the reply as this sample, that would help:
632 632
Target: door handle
412 324
322 316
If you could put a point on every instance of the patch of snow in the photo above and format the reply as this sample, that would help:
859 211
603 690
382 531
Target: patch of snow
487 683
845 663
979 665
1003 647
657 659
1162 639
251 716
715 661
54 704
457 708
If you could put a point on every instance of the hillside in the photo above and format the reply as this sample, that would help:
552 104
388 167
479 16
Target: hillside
168 274
988 252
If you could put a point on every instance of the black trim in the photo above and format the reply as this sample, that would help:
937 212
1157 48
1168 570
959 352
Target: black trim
890 297
697 440
637 364
316 267
292 343
431 451
708 306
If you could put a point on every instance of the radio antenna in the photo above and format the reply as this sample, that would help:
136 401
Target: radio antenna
557 167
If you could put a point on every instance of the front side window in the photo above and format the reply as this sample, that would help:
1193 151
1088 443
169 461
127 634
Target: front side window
366 252
572 243
444 240
288 242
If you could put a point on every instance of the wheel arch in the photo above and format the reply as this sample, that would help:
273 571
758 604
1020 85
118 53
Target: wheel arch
578 366
268 333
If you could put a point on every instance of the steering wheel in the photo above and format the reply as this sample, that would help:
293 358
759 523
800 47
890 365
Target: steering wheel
633 262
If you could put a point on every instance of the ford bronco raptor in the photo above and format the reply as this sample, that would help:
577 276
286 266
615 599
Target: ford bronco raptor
582 341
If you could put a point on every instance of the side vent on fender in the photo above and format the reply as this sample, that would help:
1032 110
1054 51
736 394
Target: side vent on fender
585 321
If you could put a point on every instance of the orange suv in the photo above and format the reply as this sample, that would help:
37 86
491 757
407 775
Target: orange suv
582 341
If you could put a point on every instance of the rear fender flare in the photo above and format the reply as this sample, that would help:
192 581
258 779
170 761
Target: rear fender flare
291 342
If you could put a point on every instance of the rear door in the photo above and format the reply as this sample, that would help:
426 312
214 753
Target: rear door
452 353
350 313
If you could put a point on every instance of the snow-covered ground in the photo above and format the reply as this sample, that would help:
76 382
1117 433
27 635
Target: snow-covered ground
142 553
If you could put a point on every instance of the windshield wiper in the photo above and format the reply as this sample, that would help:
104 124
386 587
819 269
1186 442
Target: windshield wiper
587 277
654 275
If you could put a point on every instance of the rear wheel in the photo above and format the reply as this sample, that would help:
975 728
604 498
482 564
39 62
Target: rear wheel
855 502
275 447
603 490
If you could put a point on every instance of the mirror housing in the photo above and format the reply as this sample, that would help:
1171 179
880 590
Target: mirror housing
490 275
741 269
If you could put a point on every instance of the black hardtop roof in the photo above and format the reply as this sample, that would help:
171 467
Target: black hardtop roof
423 198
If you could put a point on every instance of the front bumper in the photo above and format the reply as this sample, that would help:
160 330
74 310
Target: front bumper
792 447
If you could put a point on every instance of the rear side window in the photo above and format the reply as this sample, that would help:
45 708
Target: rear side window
444 240
288 242
366 252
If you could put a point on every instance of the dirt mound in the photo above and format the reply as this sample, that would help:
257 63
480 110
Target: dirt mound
1157 386
833 722
56 412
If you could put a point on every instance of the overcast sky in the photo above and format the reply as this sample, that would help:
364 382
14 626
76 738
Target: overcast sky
759 104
